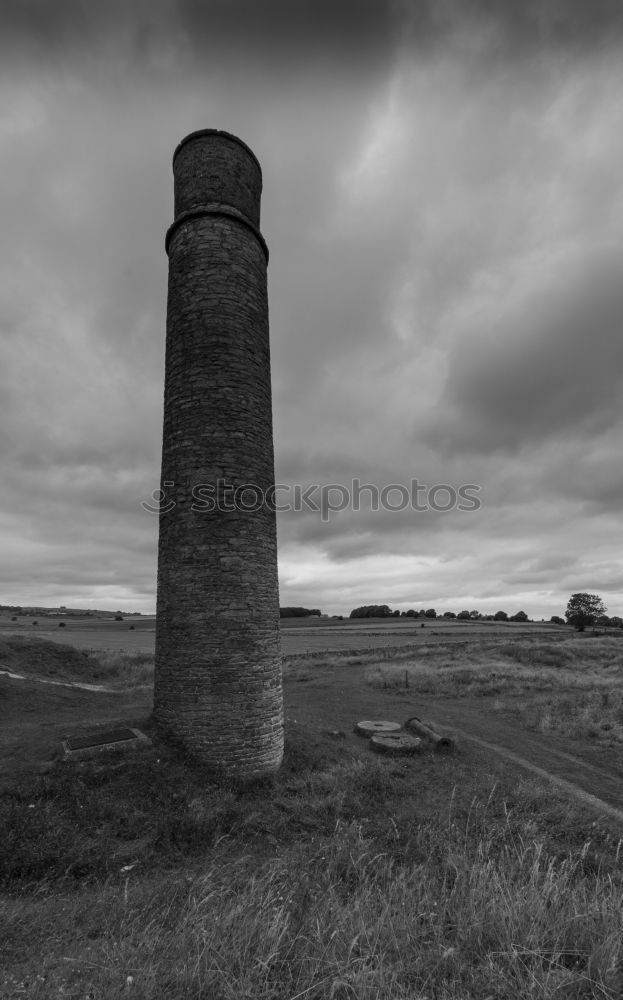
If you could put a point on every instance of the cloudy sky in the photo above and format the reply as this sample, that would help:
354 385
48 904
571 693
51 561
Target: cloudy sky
443 203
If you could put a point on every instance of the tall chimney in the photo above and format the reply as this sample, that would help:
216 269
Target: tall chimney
218 687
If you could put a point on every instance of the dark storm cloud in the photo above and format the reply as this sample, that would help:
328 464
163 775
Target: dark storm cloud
557 364
57 27
358 31
422 162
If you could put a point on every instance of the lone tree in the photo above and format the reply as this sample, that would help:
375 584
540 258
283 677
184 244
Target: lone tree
583 610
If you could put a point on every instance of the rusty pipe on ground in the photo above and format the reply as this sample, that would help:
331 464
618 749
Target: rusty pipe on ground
442 744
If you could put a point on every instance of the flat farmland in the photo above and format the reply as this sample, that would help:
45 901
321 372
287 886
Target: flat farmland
378 634
94 634
323 636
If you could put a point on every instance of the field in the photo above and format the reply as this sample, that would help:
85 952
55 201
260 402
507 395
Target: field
132 635
493 873
315 635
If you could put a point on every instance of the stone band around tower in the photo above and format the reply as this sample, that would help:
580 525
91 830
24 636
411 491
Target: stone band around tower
215 208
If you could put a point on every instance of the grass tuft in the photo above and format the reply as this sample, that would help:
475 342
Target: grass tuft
118 669
469 903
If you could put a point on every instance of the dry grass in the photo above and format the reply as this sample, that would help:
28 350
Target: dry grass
365 904
578 664
585 715
341 879
41 659
571 685
121 670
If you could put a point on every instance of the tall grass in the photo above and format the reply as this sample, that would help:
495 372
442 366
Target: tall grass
573 686
118 669
344 878
459 907
585 715
491 667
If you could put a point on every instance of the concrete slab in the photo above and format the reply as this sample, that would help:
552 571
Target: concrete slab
103 741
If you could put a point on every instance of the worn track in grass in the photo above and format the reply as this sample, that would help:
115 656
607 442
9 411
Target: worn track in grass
35 717
334 699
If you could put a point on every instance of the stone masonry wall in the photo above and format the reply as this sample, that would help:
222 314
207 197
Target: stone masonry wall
218 688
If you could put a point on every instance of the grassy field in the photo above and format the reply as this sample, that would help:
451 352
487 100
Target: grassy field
551 678
337 879
346 876
132 635
573 686
312 635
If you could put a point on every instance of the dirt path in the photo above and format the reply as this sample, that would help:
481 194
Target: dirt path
34 718
336 700
64 684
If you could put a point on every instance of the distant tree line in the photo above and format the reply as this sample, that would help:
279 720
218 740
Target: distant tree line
384 611
372 611
298 612
582 610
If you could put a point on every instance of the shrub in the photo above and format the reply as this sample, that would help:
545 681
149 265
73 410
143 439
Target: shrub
298 612
372 611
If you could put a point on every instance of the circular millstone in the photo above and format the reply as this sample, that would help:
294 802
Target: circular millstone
397 745
370 728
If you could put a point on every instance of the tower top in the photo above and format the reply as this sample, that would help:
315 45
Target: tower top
202 132
216 168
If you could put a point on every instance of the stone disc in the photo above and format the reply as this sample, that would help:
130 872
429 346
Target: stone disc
370 727
396 745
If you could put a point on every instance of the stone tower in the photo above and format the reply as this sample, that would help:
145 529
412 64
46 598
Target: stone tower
218 688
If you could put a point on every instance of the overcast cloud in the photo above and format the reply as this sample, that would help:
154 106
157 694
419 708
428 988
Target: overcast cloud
443 205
